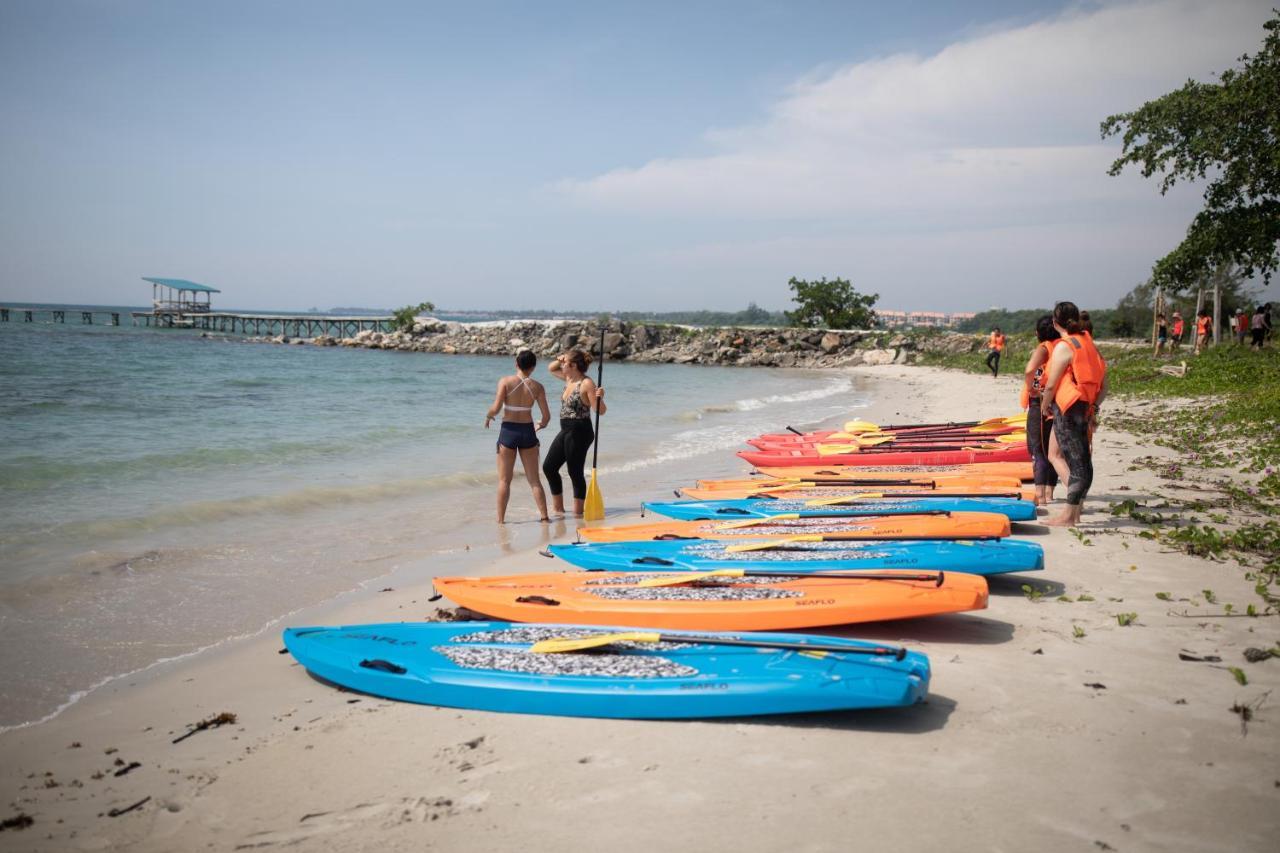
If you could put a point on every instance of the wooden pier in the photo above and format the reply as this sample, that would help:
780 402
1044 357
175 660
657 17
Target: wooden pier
292 325
58 315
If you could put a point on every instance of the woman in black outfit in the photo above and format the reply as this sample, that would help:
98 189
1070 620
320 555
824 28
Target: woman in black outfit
578 400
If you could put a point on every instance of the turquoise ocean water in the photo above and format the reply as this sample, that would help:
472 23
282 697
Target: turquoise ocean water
162 492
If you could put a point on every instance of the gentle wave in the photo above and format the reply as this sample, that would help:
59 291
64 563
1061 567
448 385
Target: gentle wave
289 503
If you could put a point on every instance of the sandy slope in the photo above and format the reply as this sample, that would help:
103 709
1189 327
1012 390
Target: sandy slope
1019 747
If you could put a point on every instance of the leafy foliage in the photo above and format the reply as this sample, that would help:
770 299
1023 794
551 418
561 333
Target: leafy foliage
831 305
402 318
1229 130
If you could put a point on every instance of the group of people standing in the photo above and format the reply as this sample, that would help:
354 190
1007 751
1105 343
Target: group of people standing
518 437
1065 384
1256 328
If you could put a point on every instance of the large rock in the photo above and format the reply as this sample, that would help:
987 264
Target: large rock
878 356
612 340
831 342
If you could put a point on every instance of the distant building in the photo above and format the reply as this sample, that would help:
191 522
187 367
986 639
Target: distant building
922 319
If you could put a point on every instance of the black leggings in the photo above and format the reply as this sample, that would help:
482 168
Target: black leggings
1072 430
993 362
1038 445
570 447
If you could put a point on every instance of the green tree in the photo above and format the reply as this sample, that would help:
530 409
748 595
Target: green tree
830 305
402 318
1229 130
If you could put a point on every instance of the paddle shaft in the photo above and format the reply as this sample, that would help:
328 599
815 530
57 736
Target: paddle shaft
595 444
764 644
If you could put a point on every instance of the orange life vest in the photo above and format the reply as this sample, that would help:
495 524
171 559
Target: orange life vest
1203 324
996 343
1038 380
1083 377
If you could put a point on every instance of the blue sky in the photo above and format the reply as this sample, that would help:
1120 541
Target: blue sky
588 155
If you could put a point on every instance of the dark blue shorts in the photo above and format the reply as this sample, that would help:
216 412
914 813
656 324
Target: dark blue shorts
517 436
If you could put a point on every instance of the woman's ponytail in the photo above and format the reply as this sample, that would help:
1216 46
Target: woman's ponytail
1067 315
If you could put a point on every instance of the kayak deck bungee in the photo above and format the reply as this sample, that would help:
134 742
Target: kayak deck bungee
1013 509
973 557
956 525
785 458
491 666
1020 471
755 603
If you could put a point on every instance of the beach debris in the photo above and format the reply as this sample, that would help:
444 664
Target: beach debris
1247 710
283 652
19 821
1095 685
1239 675
1126 619
1038 652
75 744
139 804
387 589
111 750
1077 632
128 768
1253 655
224 719
451 614
1183 654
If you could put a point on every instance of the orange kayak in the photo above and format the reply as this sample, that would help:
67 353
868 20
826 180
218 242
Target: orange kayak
885 482
942 525
851 489
1020 470
757 603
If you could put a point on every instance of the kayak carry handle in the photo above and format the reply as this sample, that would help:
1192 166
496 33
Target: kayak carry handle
384 666
793 429
537 599
650 560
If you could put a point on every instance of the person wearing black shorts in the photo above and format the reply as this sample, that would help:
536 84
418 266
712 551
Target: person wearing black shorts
517 436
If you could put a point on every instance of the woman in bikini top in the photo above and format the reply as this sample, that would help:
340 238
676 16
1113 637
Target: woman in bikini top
517 436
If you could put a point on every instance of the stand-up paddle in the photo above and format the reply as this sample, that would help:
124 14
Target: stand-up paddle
593 508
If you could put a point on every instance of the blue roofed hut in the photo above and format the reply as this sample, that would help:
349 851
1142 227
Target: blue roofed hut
179 296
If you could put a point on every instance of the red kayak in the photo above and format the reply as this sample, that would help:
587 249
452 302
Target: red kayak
809 456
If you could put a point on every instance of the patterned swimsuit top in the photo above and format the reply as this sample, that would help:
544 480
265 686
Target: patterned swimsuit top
572 406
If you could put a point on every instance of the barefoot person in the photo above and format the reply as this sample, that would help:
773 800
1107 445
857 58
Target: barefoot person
1076 385
1039 429
517 435
569 449
1204 327
995 346
1176 331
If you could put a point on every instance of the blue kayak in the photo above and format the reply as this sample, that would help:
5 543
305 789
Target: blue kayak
1012 508
972 557
489 666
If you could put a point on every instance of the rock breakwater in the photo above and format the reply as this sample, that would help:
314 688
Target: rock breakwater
661 343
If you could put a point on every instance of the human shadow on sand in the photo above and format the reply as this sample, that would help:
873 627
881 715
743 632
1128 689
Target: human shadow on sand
1012 585
927 716
963 628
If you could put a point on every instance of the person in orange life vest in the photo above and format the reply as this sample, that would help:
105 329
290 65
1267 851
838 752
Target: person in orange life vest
1176 331
1039 429
1074 389
1242 326
995 346
1204 327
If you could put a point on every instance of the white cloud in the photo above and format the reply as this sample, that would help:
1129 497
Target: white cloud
1000 121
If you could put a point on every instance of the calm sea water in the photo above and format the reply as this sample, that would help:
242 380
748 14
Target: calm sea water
161 492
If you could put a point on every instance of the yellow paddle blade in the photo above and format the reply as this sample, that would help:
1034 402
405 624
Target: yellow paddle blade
873 440
752 522
569 644
834 449
1020 418
844 499
861 426
772 543
677 578
593 506
1012 438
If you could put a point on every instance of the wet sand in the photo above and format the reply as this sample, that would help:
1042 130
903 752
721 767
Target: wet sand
1033 738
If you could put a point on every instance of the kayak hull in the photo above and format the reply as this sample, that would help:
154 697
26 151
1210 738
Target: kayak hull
957 525
786 458
721 681
1020 471
973 557
789 603
1013 509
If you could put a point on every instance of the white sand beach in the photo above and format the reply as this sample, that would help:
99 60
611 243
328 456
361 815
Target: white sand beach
1033 738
